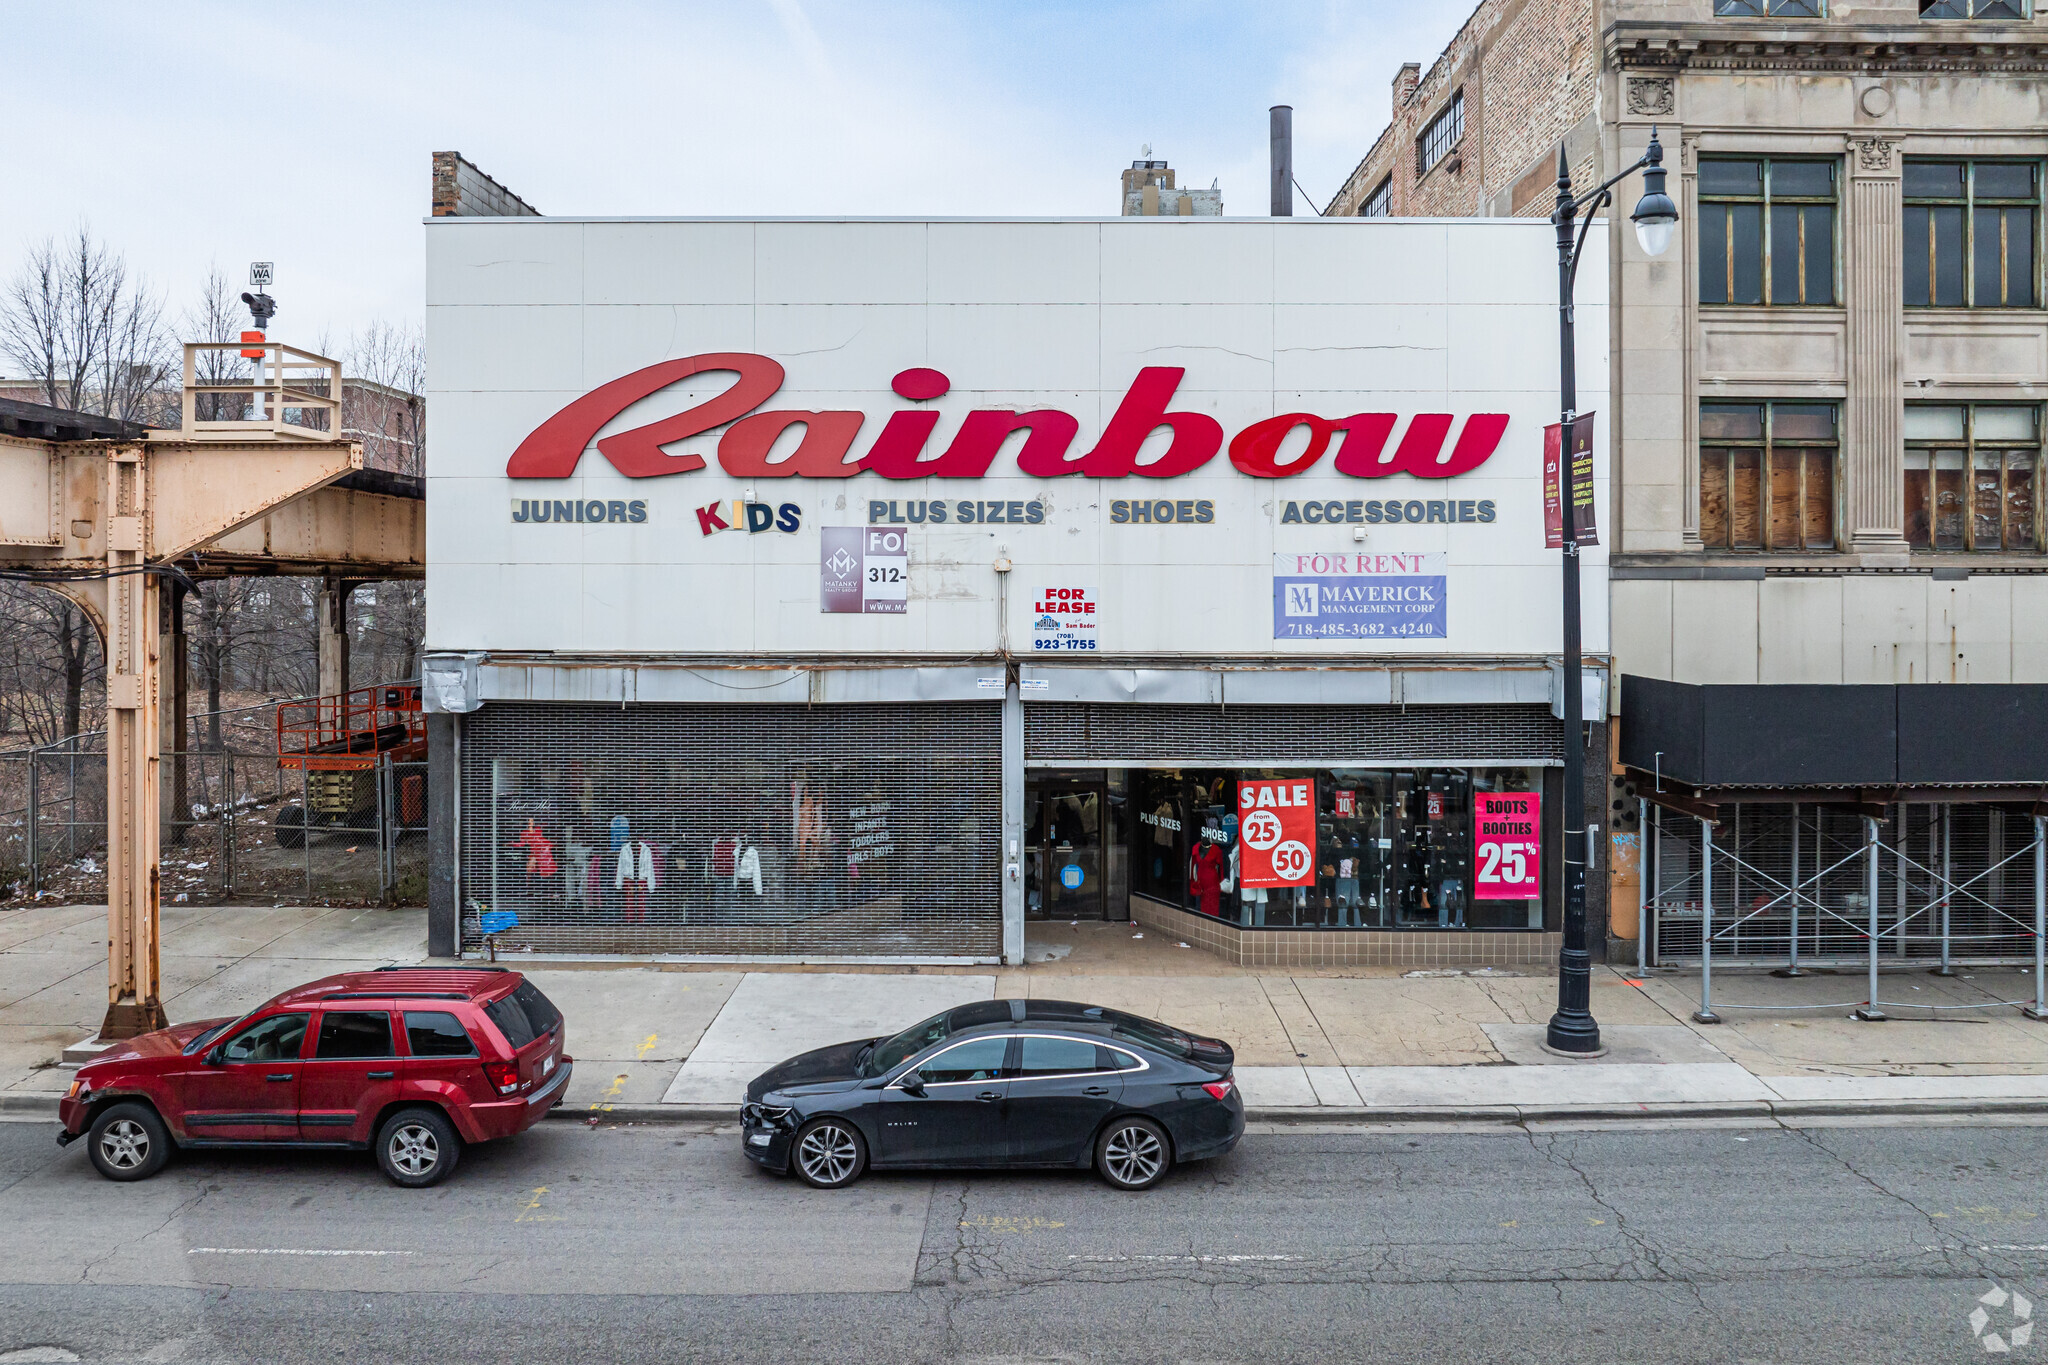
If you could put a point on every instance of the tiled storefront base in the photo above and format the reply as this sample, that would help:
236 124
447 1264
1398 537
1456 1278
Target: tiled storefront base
1348 947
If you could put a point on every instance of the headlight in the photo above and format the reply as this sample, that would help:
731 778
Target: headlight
765 1115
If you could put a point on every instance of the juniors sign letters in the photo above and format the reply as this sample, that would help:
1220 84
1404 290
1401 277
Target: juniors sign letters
1277 830
1507 849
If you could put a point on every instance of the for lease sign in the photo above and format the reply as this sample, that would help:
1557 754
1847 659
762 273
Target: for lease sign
1276 830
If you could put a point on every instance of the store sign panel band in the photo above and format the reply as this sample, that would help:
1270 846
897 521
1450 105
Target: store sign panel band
1360 445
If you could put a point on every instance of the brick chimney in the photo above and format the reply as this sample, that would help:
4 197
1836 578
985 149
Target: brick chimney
1405 81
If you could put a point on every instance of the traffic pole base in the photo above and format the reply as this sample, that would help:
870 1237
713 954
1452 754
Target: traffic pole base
2033 1013
1871 1014
1705 1017
132 1018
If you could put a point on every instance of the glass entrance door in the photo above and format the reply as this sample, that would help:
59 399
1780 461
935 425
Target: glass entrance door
1063 872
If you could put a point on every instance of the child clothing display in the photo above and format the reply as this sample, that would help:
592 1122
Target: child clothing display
575 872
748 869
621 831
540 856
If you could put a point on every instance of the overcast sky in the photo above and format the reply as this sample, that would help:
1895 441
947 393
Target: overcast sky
188 133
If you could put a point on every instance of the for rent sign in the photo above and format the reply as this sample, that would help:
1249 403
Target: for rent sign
1358 596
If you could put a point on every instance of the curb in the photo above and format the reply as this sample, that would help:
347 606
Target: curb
1504 1114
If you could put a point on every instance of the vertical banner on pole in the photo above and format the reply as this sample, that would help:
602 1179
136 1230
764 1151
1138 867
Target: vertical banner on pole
1584 528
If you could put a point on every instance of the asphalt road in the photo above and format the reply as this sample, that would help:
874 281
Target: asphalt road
659 1243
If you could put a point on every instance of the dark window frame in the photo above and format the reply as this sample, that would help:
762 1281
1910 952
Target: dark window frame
1971 204
1985 10
1770 9
461 1027
1804 291
1972 447
1441 135
1379 203
1721 459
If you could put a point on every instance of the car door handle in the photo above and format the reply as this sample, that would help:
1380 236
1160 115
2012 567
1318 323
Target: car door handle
279 1076
379 1075
1096 1090
990 1095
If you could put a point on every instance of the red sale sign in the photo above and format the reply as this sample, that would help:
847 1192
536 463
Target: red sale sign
1277 832
1507 846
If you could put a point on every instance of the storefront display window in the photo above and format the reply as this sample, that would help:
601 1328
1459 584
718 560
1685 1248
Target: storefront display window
1158 845
1394 849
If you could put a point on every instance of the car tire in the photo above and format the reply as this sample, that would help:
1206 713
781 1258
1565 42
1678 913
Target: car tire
828 1153
418 1147
1133 1153
128 1142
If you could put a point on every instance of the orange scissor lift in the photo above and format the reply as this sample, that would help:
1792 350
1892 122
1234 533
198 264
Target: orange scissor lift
341 743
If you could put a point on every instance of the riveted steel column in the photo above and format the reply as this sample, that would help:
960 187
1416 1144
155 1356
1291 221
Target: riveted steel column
1013 824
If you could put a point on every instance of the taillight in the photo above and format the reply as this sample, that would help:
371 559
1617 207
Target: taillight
1220 1090
503 1075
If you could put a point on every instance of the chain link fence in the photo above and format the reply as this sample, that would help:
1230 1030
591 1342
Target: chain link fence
235 825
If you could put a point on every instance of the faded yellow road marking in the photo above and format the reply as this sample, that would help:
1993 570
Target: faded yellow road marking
993 1223
647 1046
611 1093
532 1214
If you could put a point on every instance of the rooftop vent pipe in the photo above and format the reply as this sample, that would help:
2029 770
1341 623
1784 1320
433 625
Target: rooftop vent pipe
1282 116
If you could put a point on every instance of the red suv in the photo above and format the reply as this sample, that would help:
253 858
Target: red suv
411 1061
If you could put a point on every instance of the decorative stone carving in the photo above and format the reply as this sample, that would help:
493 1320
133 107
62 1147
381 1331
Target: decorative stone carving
1876 101
1874 154
1650 95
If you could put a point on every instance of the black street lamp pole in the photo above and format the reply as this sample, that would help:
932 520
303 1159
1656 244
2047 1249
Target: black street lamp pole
1573 1028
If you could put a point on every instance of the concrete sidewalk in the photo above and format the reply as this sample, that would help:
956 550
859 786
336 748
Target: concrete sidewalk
676 1040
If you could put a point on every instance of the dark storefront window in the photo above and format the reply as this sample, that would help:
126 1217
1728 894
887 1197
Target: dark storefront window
1158 859
1393 849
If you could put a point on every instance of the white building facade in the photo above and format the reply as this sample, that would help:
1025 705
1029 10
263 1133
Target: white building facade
861 589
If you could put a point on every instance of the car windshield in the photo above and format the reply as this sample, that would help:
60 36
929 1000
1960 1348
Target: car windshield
1149 1033
206 1038
890 1053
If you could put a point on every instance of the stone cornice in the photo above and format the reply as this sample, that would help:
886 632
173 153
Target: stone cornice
1952 48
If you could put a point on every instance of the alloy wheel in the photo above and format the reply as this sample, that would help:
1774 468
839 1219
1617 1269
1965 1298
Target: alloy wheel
414 1150
124 1144
828 1154
1134 1155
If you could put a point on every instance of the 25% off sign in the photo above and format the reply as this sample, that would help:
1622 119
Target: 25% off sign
1277 825
1507 846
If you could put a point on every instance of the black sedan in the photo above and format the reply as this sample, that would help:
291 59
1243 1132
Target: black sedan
1000 1083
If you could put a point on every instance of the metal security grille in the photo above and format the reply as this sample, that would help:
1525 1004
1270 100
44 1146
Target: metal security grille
1955 883
1308 735
754 830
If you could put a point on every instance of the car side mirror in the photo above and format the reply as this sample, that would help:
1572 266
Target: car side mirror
215 1056
912 1083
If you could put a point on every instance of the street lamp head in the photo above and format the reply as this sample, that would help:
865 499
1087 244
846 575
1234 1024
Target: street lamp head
1656 217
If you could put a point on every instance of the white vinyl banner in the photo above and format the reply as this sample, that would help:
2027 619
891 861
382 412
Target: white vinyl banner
1291 438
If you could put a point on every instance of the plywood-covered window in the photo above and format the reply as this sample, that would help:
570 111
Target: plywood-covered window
1767 476
1973 476
1971 230
1767 231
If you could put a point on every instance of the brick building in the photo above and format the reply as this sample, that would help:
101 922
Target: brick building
1829 591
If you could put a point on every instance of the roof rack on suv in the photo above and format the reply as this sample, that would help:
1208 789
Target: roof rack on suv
439 967
396 995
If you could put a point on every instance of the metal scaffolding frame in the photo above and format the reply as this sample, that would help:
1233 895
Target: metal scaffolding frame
1927 893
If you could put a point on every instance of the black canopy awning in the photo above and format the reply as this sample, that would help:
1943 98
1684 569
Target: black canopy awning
1844 738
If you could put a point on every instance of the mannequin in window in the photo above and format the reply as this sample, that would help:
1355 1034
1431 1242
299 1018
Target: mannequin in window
540 859
636 877
1206 867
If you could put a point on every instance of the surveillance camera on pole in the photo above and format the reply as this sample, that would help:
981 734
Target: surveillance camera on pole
262 307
